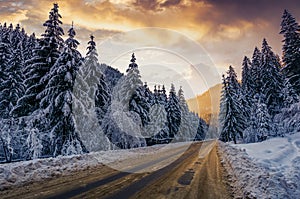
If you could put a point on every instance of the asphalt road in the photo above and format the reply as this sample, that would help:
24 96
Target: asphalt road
193 173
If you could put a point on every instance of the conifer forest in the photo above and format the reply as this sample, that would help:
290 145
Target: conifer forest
55 101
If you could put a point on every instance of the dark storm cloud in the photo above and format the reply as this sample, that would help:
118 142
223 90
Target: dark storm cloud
147 4
249 10
155 5
169 3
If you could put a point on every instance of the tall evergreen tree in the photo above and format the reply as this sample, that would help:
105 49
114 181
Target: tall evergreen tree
128 85
29 45
185 132
289 95
162 96
246 76
272 80
224 134
103 98
156 131
149 95
260 123
201 130
255 71
173 113
12 87
5 55
290 29
231 114
57 99
247 87
124 121
90 71
45 55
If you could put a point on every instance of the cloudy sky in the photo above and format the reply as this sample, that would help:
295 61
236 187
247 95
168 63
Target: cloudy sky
180 41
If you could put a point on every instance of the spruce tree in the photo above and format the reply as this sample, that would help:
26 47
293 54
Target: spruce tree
288 94
128 85
124 120
232 119
247 88
12 87
131 94
29 44
174 113
185 132
255 71
149 95
290 30
260 123
246 76
57 98
272 80
201 130
162 96
5 57
45 54
102 99
224 134
90 71
156 129
140 105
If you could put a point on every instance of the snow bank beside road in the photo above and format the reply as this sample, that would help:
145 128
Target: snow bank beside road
270 169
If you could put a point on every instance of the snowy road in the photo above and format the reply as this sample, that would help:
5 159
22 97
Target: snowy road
194 174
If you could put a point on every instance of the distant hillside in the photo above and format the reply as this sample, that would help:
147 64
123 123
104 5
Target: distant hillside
207 104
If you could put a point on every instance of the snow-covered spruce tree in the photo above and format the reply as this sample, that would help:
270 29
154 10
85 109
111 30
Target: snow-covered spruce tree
123 122
260 123
5 54
290 29
45 54
201 130
289 95
186 132
149 95
90 71
156 129
247 80
246 88
102 99
140 105
132 94
91 101
224 134
162 96
12 87
57 98
255 72
287 120
18 37
174 113
272 80
138 102
128 85
232 119
29 45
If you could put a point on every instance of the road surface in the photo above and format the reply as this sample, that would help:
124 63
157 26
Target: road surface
192 173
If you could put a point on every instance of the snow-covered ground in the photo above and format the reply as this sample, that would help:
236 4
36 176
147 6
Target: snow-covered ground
20 173
270 169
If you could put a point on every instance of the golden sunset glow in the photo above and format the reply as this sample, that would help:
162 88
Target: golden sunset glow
227 30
